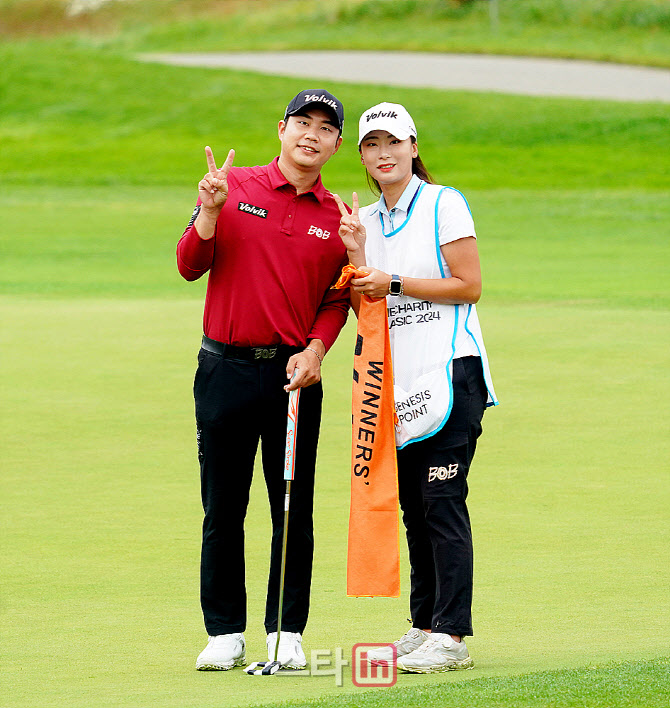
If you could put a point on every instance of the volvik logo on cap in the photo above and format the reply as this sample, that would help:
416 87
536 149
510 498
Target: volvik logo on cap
391 117
381 114
316 97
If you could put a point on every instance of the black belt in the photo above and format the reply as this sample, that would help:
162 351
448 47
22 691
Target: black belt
256 355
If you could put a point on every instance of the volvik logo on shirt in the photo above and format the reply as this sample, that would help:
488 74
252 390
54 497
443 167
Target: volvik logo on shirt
251 209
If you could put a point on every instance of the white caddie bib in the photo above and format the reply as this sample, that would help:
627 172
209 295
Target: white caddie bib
423 334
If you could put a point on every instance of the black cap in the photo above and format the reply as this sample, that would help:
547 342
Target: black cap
317 97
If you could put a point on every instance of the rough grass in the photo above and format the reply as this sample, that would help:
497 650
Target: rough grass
611 14
115 121
642 684
635 31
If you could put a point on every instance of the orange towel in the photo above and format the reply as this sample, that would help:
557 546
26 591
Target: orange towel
373 568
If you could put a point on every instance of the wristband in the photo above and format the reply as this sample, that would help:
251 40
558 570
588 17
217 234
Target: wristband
309 349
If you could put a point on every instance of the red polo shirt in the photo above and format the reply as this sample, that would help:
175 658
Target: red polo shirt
271 263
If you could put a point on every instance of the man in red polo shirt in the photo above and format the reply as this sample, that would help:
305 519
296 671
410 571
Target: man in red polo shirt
268 237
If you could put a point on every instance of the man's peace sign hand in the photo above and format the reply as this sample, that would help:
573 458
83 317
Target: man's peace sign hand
352 232
213 187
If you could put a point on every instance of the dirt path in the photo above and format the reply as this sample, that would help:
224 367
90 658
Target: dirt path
520 75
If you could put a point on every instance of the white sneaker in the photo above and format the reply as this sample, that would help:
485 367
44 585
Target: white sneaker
439 653
223 652
290 655
407 643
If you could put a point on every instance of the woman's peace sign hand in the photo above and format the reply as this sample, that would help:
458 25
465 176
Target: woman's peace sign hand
351 231
213 187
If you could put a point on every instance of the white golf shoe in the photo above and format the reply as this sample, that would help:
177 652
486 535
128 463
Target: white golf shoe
223 652
439 653
407 643
290 655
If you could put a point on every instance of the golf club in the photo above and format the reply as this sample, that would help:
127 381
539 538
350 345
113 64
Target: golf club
267 668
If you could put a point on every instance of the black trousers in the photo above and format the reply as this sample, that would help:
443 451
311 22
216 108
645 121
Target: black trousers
238 403
433 487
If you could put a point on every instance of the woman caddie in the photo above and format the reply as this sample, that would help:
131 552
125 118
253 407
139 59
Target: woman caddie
417 248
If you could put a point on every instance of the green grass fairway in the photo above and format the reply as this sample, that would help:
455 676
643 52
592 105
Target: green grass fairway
99 160
569 504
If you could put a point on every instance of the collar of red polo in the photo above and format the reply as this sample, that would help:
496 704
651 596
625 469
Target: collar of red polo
277 180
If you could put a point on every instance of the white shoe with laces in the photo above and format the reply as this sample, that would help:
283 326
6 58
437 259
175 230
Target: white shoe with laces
407 643
439 653
223 652
290 655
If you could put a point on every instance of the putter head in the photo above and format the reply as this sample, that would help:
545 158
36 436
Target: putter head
263 668
271 668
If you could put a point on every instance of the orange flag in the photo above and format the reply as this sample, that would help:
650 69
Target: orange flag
373 568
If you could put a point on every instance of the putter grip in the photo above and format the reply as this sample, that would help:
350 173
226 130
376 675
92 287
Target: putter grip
291 432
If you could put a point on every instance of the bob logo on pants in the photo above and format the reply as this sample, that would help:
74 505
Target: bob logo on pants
442 472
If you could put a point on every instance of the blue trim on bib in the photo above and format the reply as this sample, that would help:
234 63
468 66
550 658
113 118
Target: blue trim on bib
453 189
451 388
494 401
415 199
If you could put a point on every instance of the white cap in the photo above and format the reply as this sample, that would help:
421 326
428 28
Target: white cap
391 117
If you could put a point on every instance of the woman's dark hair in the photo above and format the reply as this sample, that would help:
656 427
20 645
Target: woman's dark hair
418 169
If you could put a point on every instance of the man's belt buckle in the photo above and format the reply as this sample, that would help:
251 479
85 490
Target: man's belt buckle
264 352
